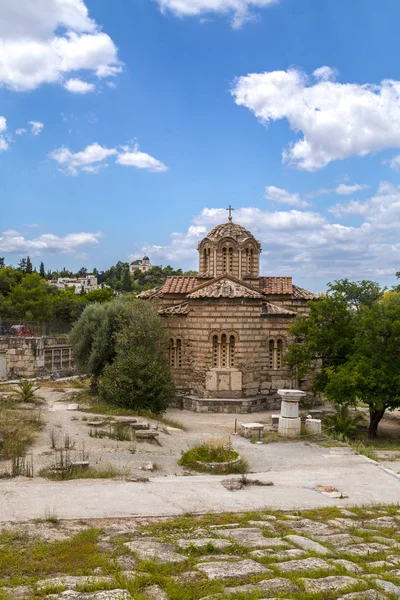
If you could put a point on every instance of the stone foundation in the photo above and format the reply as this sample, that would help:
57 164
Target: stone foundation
34 357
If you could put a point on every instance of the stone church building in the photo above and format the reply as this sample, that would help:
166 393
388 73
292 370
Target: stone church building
229 325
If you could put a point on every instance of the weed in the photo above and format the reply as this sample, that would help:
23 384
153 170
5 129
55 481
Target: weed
215 457
21 465
27 392
69 444
53 440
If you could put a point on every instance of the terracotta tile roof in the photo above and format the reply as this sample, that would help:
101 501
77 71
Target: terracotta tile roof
177 309
276 285
155 292
179 285
304 294
225 287
273 309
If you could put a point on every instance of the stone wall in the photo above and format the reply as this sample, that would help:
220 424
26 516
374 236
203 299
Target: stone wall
252 330
34 356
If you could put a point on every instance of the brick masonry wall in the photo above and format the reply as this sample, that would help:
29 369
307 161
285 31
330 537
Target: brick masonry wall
237 316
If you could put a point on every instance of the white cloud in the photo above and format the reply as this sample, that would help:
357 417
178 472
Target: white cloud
77 86
141 160
395 163
36 127
336 120
325 74
345 190
17 243
20 131
91 159
311 247
72 163
240 11
43 41
281 196
3 128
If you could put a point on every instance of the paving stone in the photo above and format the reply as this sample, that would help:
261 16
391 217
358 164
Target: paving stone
349 565
188 577
163 553
276 585
104 595
155 592
263 524
387 541
251 537
337 539
348 513
367 595
388 586
280 555
342 523
307 544
203 542
310 527
384 522
362 549
226 570
72 582
305 564
395 572
333 583
379 564
18 592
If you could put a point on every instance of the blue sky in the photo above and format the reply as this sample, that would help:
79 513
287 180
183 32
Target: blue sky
128 127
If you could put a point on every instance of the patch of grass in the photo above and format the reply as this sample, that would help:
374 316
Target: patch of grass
72 472
78 384
79 555
18 429
116 431
200 457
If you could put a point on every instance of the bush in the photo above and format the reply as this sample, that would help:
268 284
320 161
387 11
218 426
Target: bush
139 377
343 424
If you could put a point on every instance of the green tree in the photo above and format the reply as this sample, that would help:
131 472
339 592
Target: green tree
32 298
42 272
139 376
126 282
22 265
372 371
29 267
2 263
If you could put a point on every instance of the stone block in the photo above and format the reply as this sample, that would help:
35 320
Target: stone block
236 380
211 381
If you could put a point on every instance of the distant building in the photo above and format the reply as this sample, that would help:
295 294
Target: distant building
82 285
141 265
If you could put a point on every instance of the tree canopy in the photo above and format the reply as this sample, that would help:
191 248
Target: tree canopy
348 347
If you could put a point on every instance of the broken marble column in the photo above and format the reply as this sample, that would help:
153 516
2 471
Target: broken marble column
289 420
313 426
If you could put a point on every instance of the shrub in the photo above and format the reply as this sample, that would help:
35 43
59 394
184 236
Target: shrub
343 424
209 452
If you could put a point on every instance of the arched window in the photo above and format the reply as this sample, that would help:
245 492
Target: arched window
205 260
251 261
271 354
215 351
224 260
230 265
223 351
279 354
175 353
232 351
275 354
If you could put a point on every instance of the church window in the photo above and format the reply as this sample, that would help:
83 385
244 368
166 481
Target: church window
275 354
205 261
279 354
215 351
232 351
271 354
224 260
251 261
230 267
223 351
175 353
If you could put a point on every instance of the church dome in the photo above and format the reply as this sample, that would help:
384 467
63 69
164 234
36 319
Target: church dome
230 229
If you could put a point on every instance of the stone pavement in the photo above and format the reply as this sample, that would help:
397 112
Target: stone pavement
338 554
362 482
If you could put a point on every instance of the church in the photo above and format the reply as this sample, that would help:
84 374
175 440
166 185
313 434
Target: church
229 325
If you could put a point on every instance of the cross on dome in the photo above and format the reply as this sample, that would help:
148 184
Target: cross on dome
230 209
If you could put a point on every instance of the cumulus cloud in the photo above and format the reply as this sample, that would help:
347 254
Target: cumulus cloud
36 127
346 190
281 196
3 129
336 120
20 131
47 40
134 158
308 245
77 86
240 11
16 243
92 159
395 163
